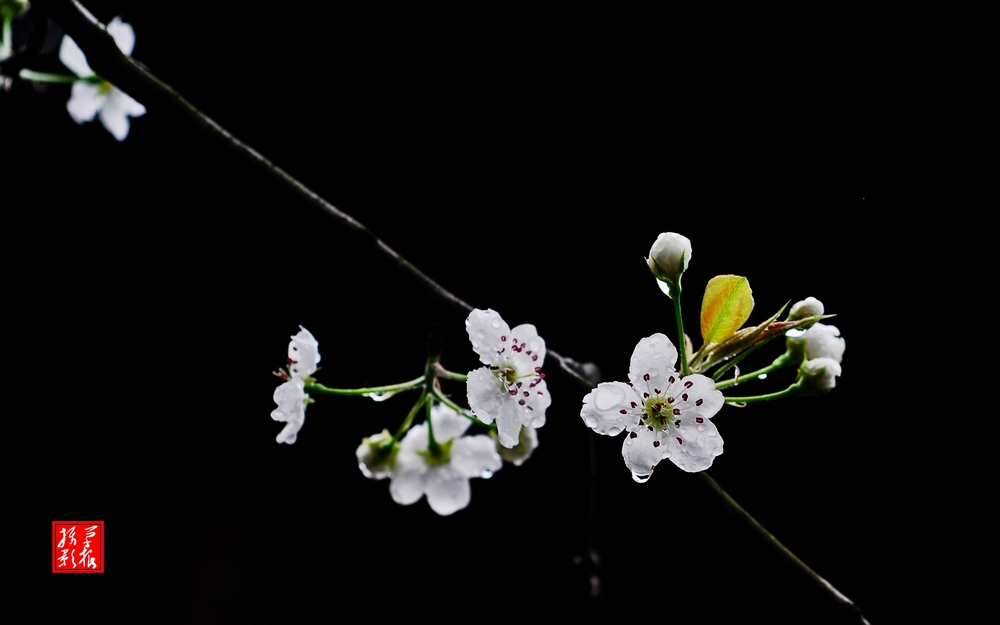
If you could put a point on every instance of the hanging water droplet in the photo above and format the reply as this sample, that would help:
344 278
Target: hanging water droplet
486 474
762 376
378 396
666 291
794 334
614 431
641 479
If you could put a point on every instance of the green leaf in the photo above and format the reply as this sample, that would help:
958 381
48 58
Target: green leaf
726 306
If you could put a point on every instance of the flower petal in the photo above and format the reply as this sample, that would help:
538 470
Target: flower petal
653 363
643 449
113 114
695 396
303 351
74 59
410 479
611 408
447 490
693 447
85 101
489 334
475 456
123 35
290 398
485 393
447 423
526 347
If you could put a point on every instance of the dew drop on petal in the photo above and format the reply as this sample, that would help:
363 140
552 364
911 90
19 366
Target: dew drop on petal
607 397
496 322
640 479
486 474
702 428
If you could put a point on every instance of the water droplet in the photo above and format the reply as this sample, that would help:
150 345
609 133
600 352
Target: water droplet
762 376
486 474
794 334
666 291
496 322
614 431
378 396
702 427
641 479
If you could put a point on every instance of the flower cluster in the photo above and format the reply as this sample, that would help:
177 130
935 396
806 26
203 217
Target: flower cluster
93 96
291 397
665 415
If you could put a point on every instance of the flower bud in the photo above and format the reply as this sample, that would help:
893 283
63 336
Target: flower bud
819 341
819 375
669 256
376 456
808 307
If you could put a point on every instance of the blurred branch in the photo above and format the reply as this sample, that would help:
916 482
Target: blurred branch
107 61
36 41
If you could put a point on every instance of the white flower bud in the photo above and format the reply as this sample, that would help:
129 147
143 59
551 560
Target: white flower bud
669 256
808 307
819 341
375 459
820 374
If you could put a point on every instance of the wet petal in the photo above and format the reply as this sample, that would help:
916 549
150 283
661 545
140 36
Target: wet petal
609 409
695 396
447 490
448 424
407 485
643 449
527 349
290 398
652 363
489 334
693 446
472 456
485 392
114 118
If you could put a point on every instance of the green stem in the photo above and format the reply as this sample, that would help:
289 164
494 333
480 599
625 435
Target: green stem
441 397
7 37
748 377
319 389
28 74
791 390
442 372
432 445
675 297
409 418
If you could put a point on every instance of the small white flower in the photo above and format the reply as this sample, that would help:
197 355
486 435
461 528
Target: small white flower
808 307
820 341
303 356
511 388
669 256
88 99
665 415
375 457
820 374
444 479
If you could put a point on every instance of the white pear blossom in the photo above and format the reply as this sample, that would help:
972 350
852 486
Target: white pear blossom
88 98
820 374
664 415
511 388
376 457
444 479
669 256
291 397
808 307
820 341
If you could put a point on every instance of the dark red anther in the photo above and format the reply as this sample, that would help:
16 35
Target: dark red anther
645 377
503 338
520 401
538 369
677 411
633 403
645 395
688 384
671 379
699 419
684 396
633 435
623 411
699 402
658 391
679 441
535 357
656 443
513 392
677 423
527 394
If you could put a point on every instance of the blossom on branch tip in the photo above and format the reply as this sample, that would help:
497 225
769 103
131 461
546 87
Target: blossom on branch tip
291 397
511 388
663 414
820 374
808 307
669 256
89 98
819 341
444 476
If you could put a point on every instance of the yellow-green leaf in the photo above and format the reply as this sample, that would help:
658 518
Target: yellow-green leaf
726 307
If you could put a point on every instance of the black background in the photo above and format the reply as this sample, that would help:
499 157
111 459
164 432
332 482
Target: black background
525 158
